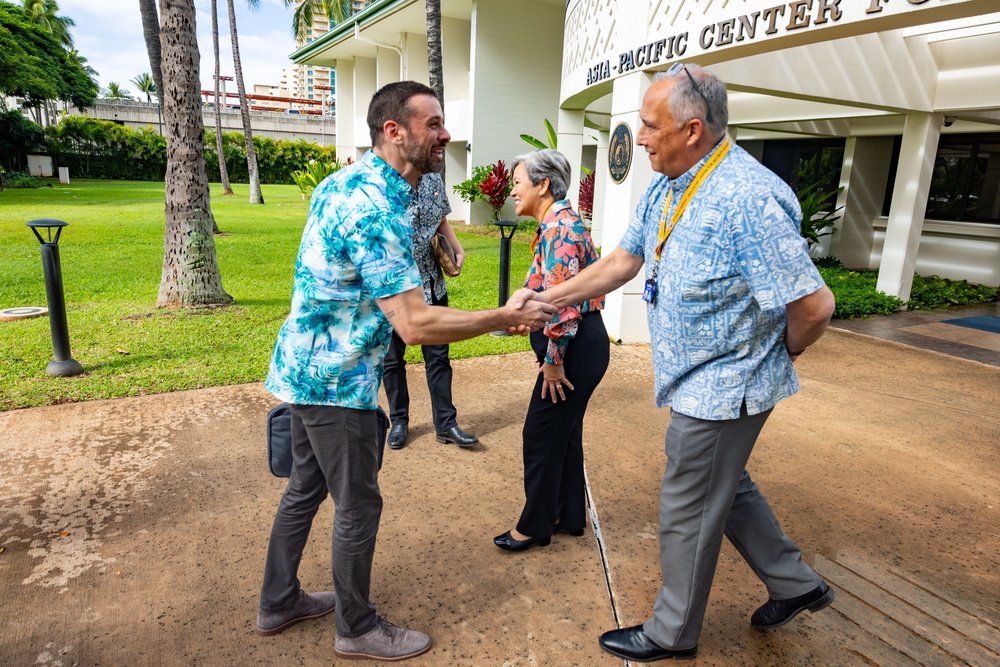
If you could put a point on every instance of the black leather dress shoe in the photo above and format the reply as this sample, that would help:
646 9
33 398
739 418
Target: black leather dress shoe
635 645
508 543
775 613
397 436
457 436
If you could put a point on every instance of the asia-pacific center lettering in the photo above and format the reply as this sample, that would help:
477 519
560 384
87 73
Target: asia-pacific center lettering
793 15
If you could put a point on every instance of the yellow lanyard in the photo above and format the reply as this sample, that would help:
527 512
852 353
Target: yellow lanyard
699 178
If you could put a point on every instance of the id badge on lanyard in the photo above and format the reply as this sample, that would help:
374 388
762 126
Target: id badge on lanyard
649 291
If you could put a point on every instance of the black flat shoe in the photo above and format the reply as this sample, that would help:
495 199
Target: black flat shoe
775 613
508 543
635 645
575 533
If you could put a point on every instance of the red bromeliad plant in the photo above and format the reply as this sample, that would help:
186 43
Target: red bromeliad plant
496 187
586 200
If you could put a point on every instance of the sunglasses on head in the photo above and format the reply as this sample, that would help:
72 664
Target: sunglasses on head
677 67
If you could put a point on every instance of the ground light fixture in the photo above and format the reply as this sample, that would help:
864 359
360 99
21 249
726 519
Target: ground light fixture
63 365
507 229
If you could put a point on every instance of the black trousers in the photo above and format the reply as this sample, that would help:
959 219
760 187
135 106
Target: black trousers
437 367
554 485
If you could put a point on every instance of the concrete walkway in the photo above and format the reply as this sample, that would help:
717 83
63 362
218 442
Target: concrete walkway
133 531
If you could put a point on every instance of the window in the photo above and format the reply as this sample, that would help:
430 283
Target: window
965 184
309 80
309 89
803 163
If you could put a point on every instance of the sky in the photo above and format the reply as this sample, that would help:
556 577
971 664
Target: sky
108 33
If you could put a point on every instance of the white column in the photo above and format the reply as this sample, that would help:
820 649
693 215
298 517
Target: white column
864 176
365 85
570 134
909 202
625 313
344 110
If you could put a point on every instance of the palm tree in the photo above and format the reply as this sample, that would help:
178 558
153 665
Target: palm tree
434 57
43 13
255 195
76 58
151 34
190 274
336 11
116 92
227 189
144 83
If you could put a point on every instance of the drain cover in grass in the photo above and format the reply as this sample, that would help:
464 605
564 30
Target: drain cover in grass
22 313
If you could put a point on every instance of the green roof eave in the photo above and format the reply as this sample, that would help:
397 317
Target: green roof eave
341 30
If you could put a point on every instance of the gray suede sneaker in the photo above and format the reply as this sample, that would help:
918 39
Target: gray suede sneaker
383 642
308 606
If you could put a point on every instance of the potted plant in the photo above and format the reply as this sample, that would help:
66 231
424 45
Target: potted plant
496 188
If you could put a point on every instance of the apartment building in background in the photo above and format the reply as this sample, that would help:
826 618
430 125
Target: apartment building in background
309 82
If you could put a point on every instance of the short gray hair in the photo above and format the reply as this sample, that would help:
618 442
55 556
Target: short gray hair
547 163
686 103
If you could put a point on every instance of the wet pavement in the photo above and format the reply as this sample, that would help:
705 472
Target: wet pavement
133 531
930 330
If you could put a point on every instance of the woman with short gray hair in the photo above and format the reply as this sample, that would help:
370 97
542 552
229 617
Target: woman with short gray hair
572 351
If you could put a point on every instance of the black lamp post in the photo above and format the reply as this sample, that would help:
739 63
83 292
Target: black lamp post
507 229
64 364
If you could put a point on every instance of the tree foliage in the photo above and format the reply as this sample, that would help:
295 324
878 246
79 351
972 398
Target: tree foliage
36 67
144 84
116 92
43 13
18 137
336 11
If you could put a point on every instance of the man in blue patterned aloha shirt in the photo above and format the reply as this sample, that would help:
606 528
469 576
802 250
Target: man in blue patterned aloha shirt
432 209
356 281
732 300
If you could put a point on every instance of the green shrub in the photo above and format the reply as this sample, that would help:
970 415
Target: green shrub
101 149
468 190
829 262
21 179
18 137
314 173
856 294
935 292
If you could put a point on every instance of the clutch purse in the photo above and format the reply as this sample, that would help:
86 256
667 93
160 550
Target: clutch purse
445 255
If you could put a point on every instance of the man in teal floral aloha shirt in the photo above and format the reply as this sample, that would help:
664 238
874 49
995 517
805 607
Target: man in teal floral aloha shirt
355 282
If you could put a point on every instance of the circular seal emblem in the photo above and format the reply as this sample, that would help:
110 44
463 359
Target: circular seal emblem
620 152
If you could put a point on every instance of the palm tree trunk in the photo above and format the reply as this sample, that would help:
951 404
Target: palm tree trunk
435 69
190 274
151 34
255 196
223 171
434 56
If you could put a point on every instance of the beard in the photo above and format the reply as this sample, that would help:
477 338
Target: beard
425 163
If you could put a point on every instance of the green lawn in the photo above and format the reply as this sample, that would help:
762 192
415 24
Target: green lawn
111 256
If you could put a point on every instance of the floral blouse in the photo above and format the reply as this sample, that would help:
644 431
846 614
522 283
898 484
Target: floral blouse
563 247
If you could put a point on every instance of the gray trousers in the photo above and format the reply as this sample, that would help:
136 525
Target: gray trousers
707 493
335 451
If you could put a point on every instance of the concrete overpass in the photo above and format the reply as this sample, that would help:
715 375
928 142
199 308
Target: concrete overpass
317 129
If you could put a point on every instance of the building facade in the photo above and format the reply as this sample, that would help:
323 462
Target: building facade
892 104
